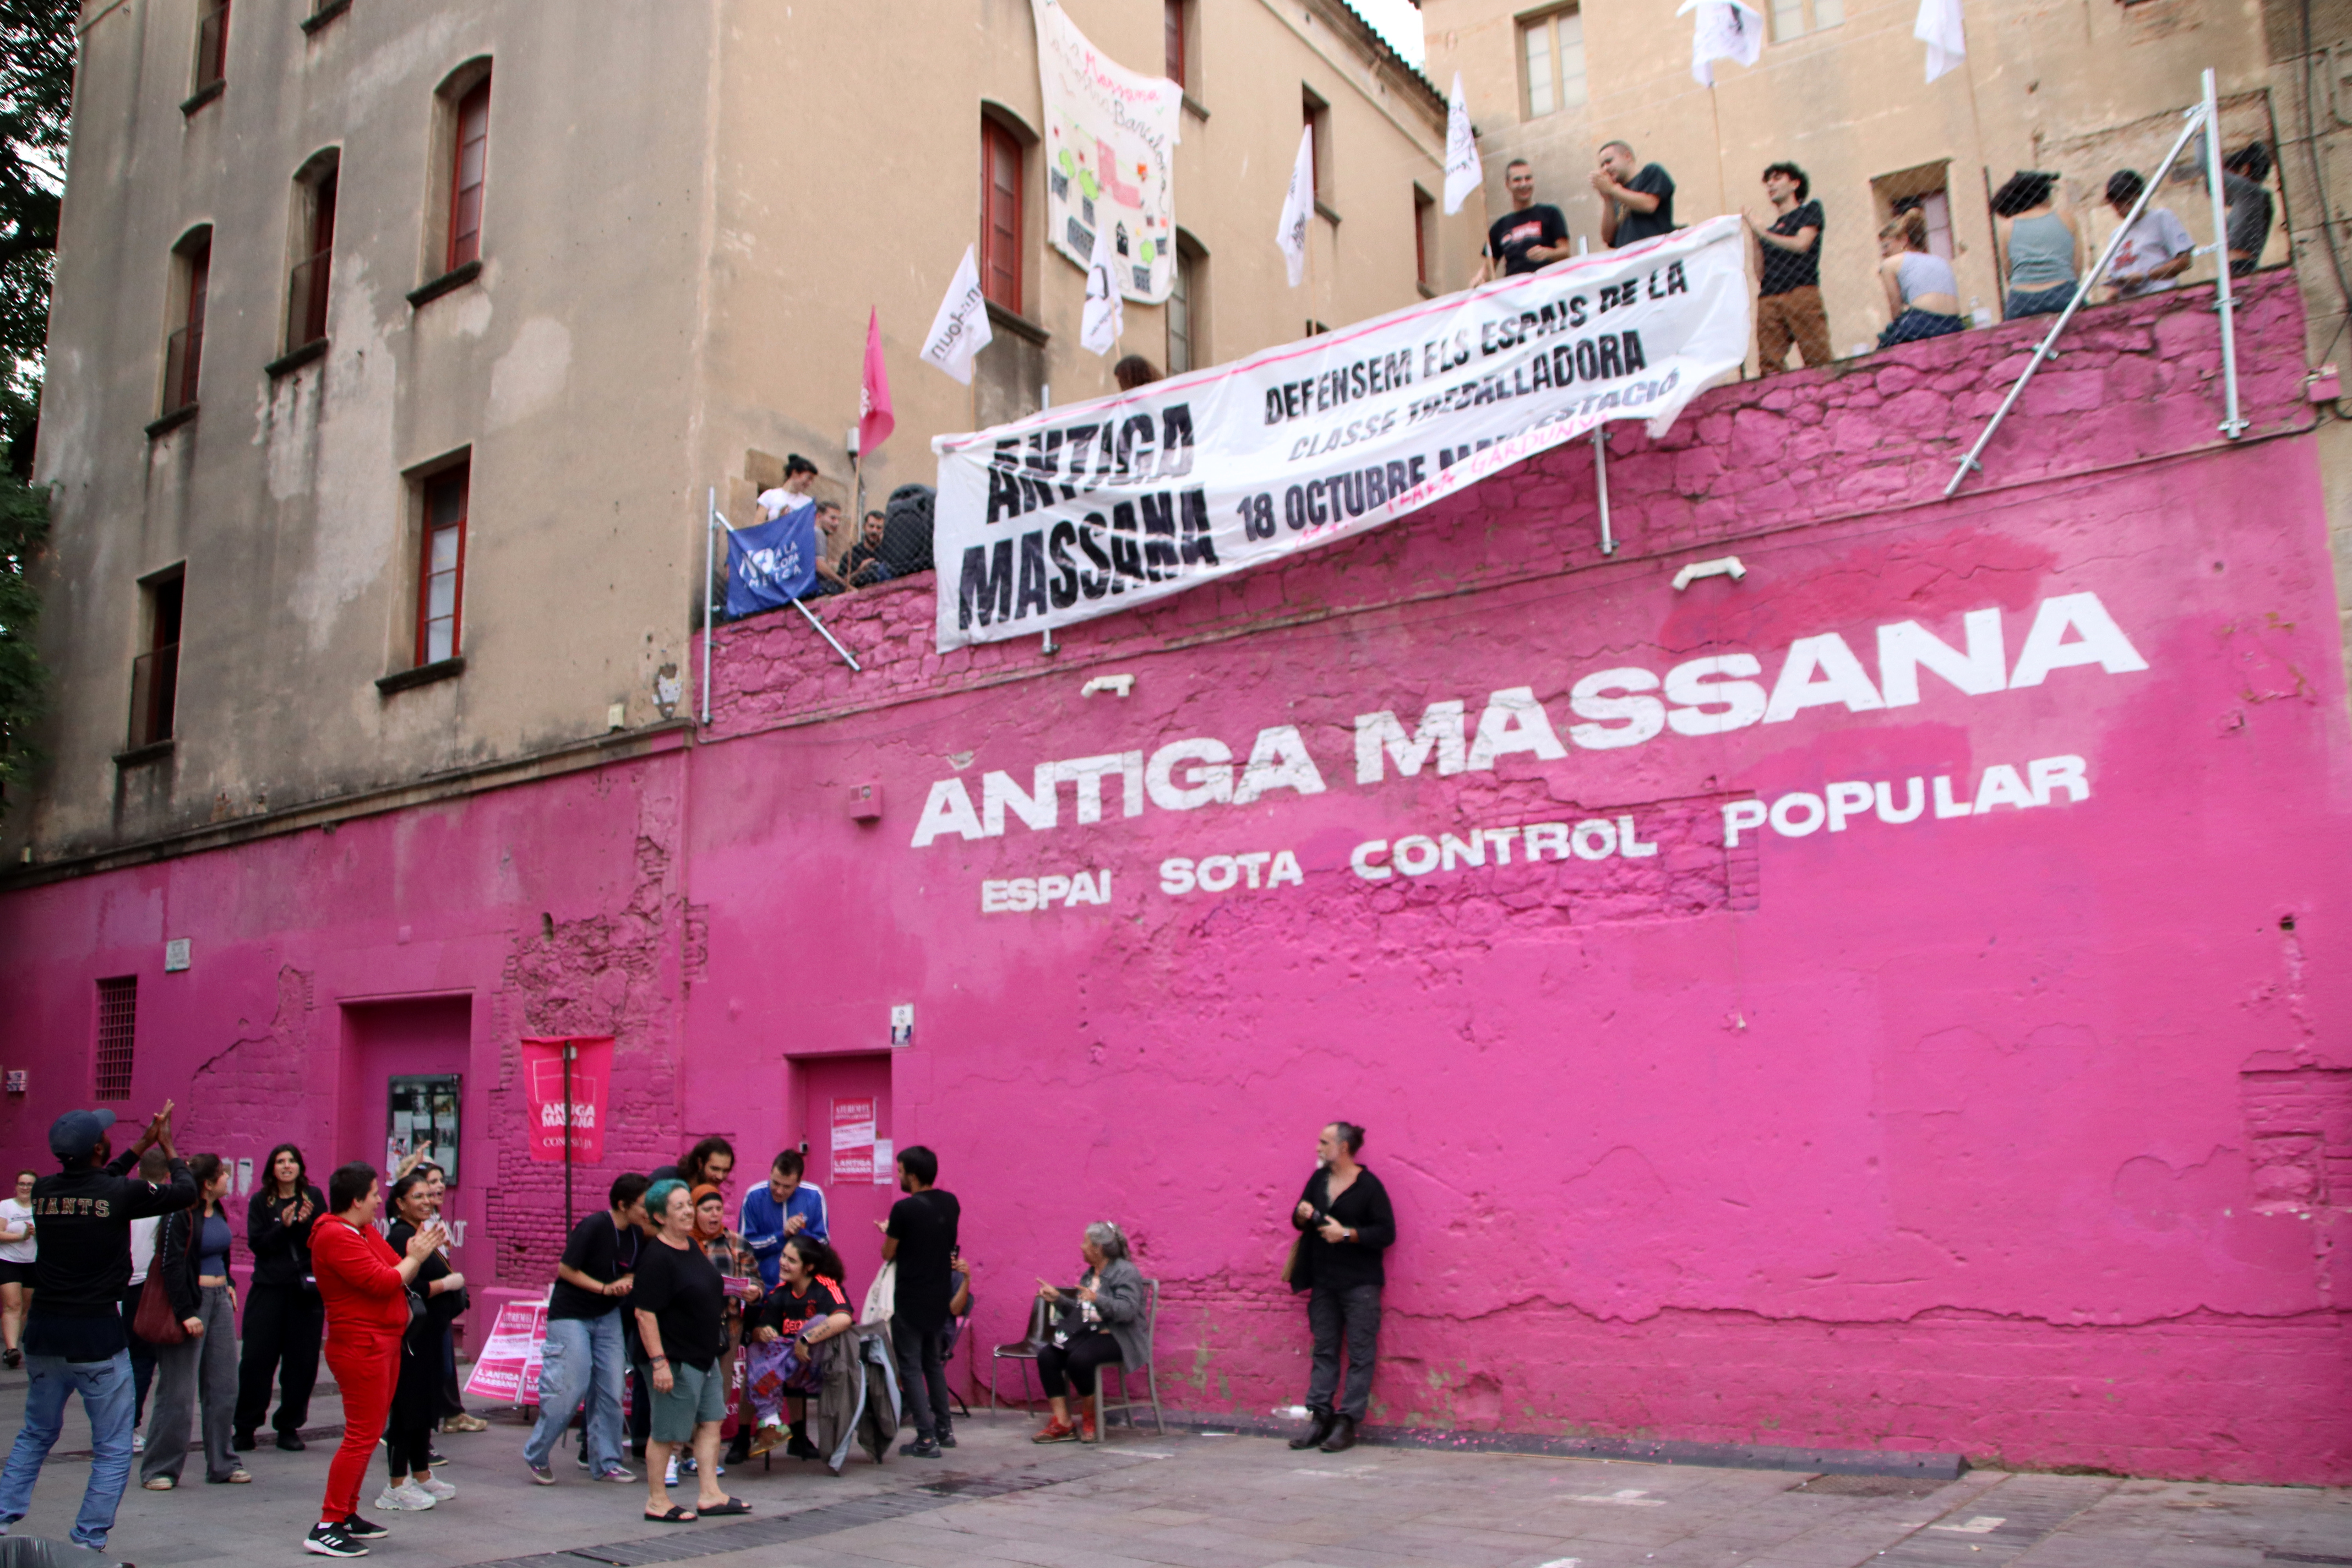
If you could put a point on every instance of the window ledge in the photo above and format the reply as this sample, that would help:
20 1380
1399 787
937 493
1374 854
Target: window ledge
172 421
140 757
293 360
324 15
204 95
423 675
449 282
1323 210
1019 326
1196 106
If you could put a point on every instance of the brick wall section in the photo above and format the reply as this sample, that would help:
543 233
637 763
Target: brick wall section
2135 381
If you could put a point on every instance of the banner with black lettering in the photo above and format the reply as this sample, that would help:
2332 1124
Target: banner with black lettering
1103 505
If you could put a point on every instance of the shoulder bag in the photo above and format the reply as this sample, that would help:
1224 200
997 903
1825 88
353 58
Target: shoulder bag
157 1322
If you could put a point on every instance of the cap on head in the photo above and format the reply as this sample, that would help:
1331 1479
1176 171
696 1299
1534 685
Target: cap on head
76 1133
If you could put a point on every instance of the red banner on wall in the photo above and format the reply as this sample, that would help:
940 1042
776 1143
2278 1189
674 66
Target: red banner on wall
592 1079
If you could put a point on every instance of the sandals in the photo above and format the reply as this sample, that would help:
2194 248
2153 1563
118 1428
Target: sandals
672 1515
732 1505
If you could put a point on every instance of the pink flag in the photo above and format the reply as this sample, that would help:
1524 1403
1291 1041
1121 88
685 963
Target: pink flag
874 420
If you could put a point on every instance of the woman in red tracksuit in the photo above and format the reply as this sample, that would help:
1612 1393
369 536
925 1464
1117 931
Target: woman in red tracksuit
364 1285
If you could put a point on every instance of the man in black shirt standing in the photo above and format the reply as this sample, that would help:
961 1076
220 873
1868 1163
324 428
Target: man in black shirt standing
1789 299
1528 237
584 1359
1344 1224
1633 206
920 1237
74 1340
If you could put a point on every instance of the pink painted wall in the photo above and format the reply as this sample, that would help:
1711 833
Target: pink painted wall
2026 1133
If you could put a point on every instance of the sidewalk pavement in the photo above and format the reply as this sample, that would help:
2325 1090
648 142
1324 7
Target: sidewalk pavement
1197 1501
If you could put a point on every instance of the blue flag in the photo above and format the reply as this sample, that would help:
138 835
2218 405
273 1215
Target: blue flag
769 565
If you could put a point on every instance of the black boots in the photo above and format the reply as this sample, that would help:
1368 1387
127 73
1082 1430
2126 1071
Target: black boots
1314 1435
1343 1438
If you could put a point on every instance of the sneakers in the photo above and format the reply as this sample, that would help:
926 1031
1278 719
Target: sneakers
1057 1431
465 1423
14 1357
1086 1433
405 1498
291 1442
616 1474
947 1438
800 1447
329 1541
922 1447
435 1488
245 1443
360 1528
670 1476
159 1483
540 1473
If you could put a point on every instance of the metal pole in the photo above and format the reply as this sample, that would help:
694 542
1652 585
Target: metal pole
1600 473
568 1049
846 657
2081 291
710 614
2232 425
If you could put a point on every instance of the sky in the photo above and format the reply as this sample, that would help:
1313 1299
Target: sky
1398 21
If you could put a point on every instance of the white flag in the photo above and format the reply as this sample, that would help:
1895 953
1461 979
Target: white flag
1726 30
1463 174
1297 208
960 329
1105 319
1939 28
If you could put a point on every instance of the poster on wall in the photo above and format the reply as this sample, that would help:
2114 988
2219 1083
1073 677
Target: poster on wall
592 1079
853 1123
1097 507
507 1369
1110 157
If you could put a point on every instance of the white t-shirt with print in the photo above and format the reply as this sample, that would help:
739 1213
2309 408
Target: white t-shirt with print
2148 244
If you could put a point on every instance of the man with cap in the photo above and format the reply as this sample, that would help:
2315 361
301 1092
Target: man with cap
73 1333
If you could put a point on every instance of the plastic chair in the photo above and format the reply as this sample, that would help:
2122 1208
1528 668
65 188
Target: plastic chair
1105 1406
1040 1335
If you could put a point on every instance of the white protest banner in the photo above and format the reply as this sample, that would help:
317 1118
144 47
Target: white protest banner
1110 156
1104 506
1464 174
1726 30
1939 26
961 330
507 1369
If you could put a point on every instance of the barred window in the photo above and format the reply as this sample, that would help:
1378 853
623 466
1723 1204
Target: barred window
118 1025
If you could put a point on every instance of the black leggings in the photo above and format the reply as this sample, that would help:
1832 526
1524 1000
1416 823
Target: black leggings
415 1406
1077 1359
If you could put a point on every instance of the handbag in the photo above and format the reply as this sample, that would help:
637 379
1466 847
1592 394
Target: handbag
1290 1260
881 1298
157 1322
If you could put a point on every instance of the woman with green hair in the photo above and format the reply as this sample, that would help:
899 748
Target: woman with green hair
681 1307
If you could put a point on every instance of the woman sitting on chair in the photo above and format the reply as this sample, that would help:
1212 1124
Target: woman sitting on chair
808 1307
1100 1322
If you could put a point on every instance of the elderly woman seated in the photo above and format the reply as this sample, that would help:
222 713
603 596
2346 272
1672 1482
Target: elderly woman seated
1101 1322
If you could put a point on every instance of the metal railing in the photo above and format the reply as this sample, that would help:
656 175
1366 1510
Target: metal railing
154 694
306 302
184 352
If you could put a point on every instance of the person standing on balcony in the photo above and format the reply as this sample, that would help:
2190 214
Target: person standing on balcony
1530 236
1344 1224
1637 202
2155 251
1921 295
2043 241
281 1306
1788 300
2247 205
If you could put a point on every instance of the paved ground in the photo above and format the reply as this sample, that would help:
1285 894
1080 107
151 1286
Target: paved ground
1203 1501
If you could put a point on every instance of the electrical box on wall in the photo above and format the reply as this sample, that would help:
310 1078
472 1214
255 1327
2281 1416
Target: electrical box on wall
866 803
902 1024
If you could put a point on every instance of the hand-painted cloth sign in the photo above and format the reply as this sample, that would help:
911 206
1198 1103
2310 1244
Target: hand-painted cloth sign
769 564
852 1141
1110 156
507 1369
1104 506
592 1077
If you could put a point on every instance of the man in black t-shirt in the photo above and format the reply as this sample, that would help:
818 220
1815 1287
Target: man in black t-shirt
1789 299
920 1238
584 1359
1530 236
1634 206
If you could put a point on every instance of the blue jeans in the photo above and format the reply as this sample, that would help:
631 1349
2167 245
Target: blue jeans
582 1360
106 1396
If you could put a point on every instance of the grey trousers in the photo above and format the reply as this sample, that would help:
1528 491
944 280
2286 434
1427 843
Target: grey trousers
1352 1317
203 1371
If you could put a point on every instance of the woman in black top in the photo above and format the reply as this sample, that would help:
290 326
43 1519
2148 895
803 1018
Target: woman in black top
282 1314
417 1398
808 1305
680 1305
1344 1222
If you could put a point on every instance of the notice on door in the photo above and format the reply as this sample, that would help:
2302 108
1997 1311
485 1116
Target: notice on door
852 1141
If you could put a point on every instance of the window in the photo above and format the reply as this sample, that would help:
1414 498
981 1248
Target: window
465 176
1795 18
1318 115
118 1028
1183 327
183 350
1176 17
212 46
999 227
1424 218
306 294
1552 58
155 674
441 573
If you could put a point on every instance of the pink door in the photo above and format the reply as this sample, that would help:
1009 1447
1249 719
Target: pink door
845 1103
404 1080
